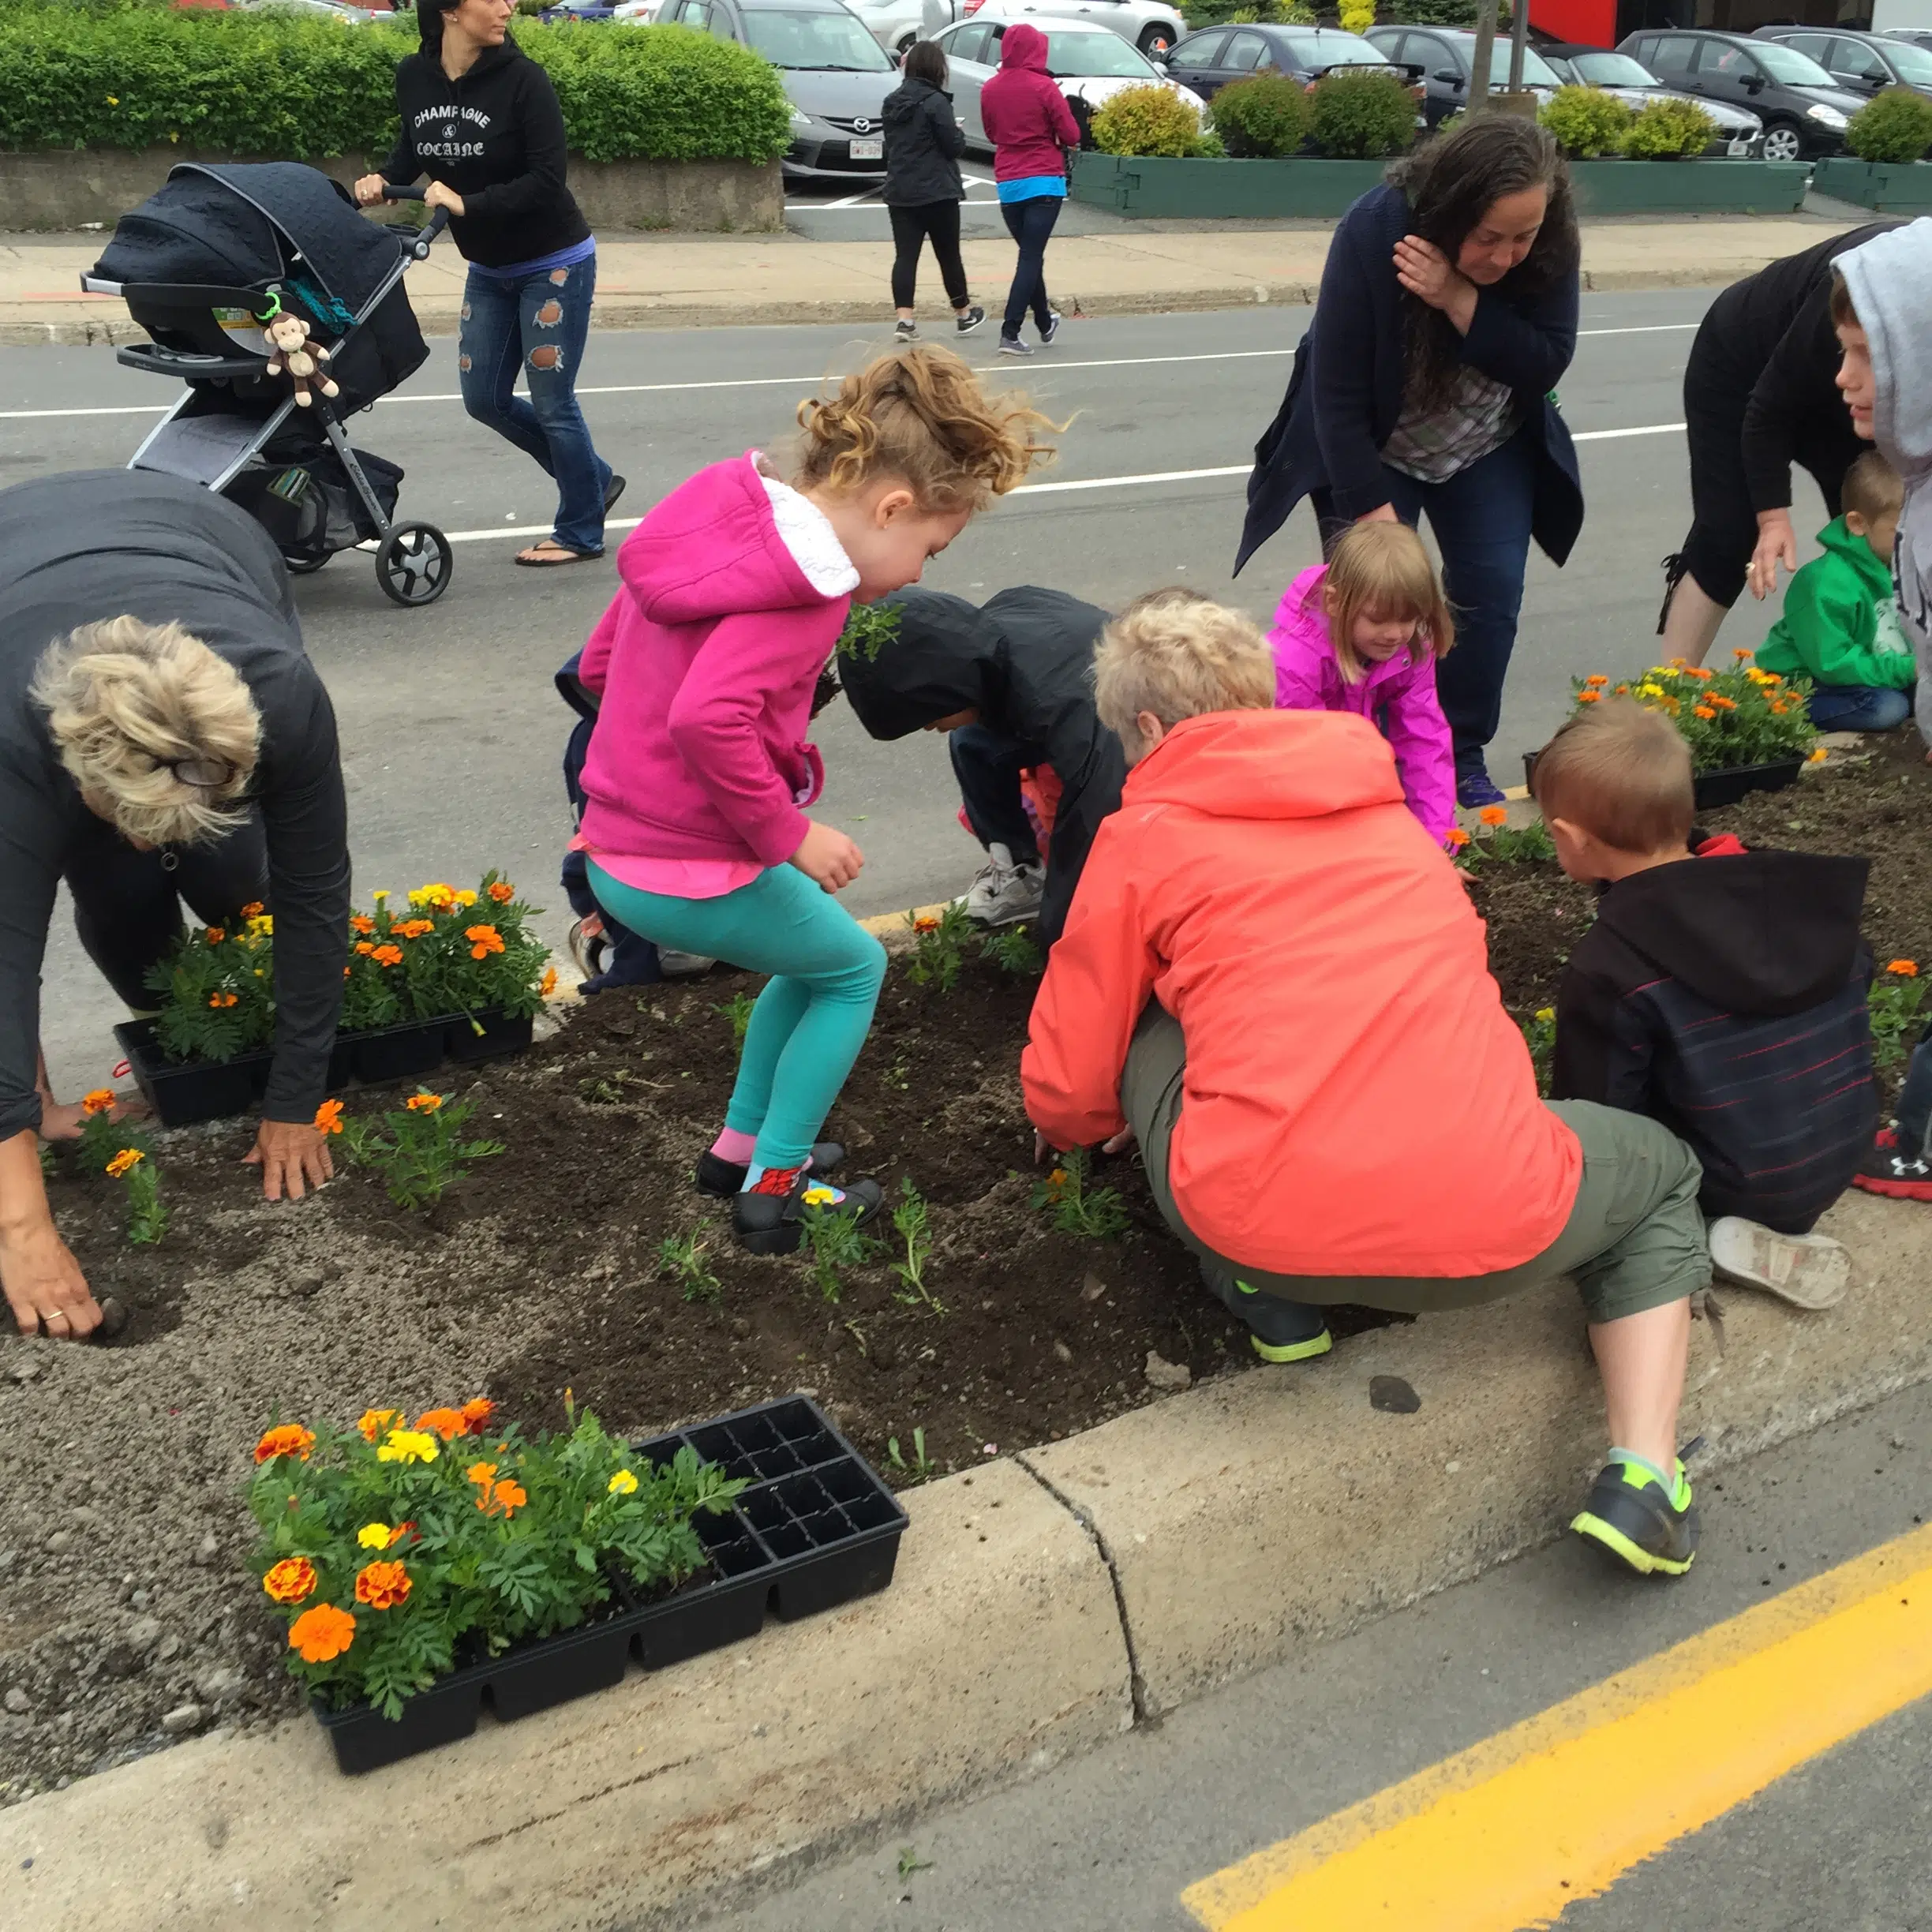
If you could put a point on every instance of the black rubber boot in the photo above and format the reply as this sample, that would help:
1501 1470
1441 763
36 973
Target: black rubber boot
774 1224
721 1178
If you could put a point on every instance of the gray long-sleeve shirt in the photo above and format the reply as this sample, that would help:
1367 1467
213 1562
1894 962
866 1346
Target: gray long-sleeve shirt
78 549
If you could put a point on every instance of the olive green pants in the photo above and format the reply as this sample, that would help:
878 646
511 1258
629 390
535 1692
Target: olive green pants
1634 1239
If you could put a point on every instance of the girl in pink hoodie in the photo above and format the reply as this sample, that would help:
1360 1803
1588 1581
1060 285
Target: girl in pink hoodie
735 589
1362 633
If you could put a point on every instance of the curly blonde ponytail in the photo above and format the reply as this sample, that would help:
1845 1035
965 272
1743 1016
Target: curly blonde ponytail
920 414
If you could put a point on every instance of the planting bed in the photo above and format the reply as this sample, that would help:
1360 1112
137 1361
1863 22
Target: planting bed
128 1614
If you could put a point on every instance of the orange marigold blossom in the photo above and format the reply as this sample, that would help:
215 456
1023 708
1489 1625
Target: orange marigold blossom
373 1421
216 934
365 947
1493 815
1903 968
477 1413
382 1584
1456 838
1703 711
503 892
1589 697
1623 690
412 929
252 909
546 986
483 940
1739 652
290 1580
289 1438
447 1423
322 1634
506 1496
125 1162
423 1102
100 1101
483 1472
361 923
328 1117
1596 681
926 925
387 956
221 1001
1723 703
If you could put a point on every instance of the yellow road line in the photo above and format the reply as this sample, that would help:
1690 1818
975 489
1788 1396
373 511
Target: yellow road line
1504 1836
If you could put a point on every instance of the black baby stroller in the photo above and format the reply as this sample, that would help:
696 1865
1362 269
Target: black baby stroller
203 265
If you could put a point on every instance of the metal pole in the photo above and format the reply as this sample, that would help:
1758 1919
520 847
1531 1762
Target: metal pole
1519 39
1485 47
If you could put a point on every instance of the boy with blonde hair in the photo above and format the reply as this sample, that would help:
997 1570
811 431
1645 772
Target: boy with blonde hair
1268 962
1725 998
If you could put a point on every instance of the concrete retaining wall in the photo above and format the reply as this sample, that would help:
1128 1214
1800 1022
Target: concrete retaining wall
65 190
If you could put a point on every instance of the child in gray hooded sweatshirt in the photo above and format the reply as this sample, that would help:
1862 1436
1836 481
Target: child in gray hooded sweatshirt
1883 312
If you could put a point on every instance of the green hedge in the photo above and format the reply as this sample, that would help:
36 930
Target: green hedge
267 83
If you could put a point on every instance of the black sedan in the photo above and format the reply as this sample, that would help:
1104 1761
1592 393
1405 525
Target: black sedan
1861 62
1208 60
1446 58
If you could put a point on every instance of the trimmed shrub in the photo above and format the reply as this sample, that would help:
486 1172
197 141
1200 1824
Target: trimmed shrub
1356 16
1263 117
1360 117
272 83
1440 13
1199 13
1587 122
1896 125
1668 130
1151 120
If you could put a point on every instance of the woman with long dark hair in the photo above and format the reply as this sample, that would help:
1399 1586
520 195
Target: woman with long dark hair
923 187
1424 386
481 119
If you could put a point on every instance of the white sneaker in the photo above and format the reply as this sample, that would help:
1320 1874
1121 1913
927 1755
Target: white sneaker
1004 893
676 965
1808 1271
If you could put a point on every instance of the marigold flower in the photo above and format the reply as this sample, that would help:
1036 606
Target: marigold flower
506 1496
447 1423
1739 652
289 1438
1589 697
252 909
1819 755
483 1472
1903 968
387 956
926 925
100 1101
439 895
623 1483
1596 681
477 1413
261 925
1493 815
1722 703
216 934
1456 838
328 1117
1777 710
483 940
220 1001
503 892
546 986
290 1580
373 1422
322 1634
376 1536
412 928
1546 1014
465 900
361 923
1623 690
125 1162
819 1196
423 1102
1702 672
365 947
1771 677
382 1586
1703 711
408 1446
1649 690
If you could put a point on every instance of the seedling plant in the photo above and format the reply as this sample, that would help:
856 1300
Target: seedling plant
868 628
833 1239
738 1010
1095 1213
681 1260
938 946
912 1224
1500 843
1540 1036
1897 1000
922 1468
102 1137
419 1149
1011 951
147 1219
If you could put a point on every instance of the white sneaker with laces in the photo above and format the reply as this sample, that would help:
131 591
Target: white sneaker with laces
1808 1271
1004 892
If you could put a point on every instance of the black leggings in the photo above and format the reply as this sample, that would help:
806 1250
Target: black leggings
911 227
127 903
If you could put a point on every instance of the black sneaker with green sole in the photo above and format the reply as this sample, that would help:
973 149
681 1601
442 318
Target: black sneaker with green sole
1279 1330
1630 1514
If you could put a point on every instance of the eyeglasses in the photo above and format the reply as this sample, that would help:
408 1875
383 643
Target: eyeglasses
203 774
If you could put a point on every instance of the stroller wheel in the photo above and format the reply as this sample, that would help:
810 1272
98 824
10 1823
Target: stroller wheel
414 563
305 565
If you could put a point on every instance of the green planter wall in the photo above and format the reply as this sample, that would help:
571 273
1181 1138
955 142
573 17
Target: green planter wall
1226 190
1887 187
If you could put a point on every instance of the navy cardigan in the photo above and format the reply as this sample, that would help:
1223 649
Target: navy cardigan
1346 391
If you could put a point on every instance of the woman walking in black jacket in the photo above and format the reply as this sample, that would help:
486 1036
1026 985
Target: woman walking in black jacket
481 119
923 189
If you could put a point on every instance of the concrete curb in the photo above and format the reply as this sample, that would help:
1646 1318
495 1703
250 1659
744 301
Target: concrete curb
1043 1605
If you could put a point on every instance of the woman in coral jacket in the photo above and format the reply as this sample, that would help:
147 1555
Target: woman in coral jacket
1274 979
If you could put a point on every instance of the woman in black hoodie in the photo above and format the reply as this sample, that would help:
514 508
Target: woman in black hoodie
481 119
923 190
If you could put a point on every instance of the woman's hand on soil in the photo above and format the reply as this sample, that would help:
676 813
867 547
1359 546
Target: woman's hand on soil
1428 274
292 1157
368 190
436 196
60 1120
44 1284
1777 543
828 856
1120 1142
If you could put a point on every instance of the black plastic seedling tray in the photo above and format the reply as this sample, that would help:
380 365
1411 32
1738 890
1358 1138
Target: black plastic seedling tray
1711 789
499 1035
815 1529
194 1090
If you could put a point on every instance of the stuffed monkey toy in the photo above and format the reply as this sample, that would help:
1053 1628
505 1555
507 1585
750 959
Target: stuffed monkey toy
297 358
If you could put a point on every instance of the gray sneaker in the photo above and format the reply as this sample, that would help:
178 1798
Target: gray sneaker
1053 327
1012 346
1808 1271
905 331
1005 892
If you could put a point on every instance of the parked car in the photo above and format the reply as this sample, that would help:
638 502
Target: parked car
640 13
1092 64
1739 132
1864 62
1805 112
599 12
1914 36
314 9
1208 61
1446 58
835 75
1153 26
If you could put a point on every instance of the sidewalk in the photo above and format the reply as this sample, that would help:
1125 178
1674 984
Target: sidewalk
687 281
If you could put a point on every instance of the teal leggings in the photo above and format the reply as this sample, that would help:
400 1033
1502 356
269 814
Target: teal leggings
812 1018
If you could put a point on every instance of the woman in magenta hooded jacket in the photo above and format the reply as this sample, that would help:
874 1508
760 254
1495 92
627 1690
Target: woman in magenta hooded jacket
1030 126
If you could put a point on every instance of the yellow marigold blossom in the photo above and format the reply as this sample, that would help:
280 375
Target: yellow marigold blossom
375 1535
623 1483
1819 754
820 1196
1648 690
126 1162
408 1445
465 899
1546 1014
438 895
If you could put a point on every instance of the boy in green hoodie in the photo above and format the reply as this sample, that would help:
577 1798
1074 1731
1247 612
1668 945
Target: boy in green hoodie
1840 627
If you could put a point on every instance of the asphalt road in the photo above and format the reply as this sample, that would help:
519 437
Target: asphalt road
451 726
1107 1843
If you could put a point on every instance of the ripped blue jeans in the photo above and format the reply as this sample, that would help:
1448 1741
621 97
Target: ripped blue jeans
537 323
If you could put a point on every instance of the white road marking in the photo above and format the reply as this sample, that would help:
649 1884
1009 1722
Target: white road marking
1050 489
1149 362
